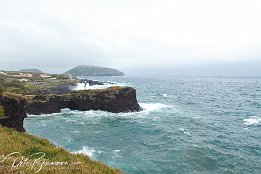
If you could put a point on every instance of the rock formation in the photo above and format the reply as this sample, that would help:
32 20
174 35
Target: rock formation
14 111
113 99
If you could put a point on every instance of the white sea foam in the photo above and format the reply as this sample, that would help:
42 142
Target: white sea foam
165 95
81 86
76 132
255 121
86 151
150 107
115 154
44 115
184 131
147 108
155 118
68 139
81 123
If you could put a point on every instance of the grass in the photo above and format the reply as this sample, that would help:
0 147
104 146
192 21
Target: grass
2 112
27 145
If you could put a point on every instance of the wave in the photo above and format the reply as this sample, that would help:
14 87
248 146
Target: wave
44 115
115 154
165 95
184 131
86 151
81 86
79 117
252 121
150 107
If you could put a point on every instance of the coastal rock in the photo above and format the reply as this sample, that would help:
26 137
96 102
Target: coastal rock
14 112
59 89
113 99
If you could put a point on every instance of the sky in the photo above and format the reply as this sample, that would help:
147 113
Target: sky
139 37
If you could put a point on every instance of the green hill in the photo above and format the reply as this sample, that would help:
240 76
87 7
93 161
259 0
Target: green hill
87 70
31 70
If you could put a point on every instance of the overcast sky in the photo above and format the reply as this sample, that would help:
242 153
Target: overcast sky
172 37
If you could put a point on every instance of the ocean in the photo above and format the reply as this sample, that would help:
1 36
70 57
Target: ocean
188 125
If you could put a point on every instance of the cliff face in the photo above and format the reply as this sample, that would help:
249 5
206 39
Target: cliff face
114 99
14 111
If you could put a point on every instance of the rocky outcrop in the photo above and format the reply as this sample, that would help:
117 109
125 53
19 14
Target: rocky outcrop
59 89
14 112
114 99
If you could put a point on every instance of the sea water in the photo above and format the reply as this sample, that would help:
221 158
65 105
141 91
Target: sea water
188 125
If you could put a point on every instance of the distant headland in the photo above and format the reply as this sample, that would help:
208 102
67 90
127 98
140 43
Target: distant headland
88 70
31 70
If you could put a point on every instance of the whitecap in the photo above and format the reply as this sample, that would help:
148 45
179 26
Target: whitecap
81 123
81 86
76 132
86 151
68 139
155 118
44 115
98 132
115 154
165 95
255 121
184 131
150 107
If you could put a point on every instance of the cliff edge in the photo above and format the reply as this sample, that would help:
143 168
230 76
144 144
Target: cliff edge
14 112
113 99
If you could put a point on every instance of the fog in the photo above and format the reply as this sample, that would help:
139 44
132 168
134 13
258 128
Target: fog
138 37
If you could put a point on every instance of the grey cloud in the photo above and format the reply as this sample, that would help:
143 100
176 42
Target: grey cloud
142 37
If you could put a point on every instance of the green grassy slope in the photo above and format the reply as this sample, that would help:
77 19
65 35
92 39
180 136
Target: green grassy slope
56 160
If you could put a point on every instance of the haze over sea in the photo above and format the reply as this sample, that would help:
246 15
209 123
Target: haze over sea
189 125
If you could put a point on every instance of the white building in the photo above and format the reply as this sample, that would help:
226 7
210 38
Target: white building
45 75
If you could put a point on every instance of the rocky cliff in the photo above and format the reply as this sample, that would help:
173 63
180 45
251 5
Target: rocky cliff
114 99
14 112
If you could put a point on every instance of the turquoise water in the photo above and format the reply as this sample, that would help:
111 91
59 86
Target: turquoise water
189 125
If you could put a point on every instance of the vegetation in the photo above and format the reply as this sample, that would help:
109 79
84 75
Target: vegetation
27 145
87 70
17 87
31 70
32 85
1 89
2 111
